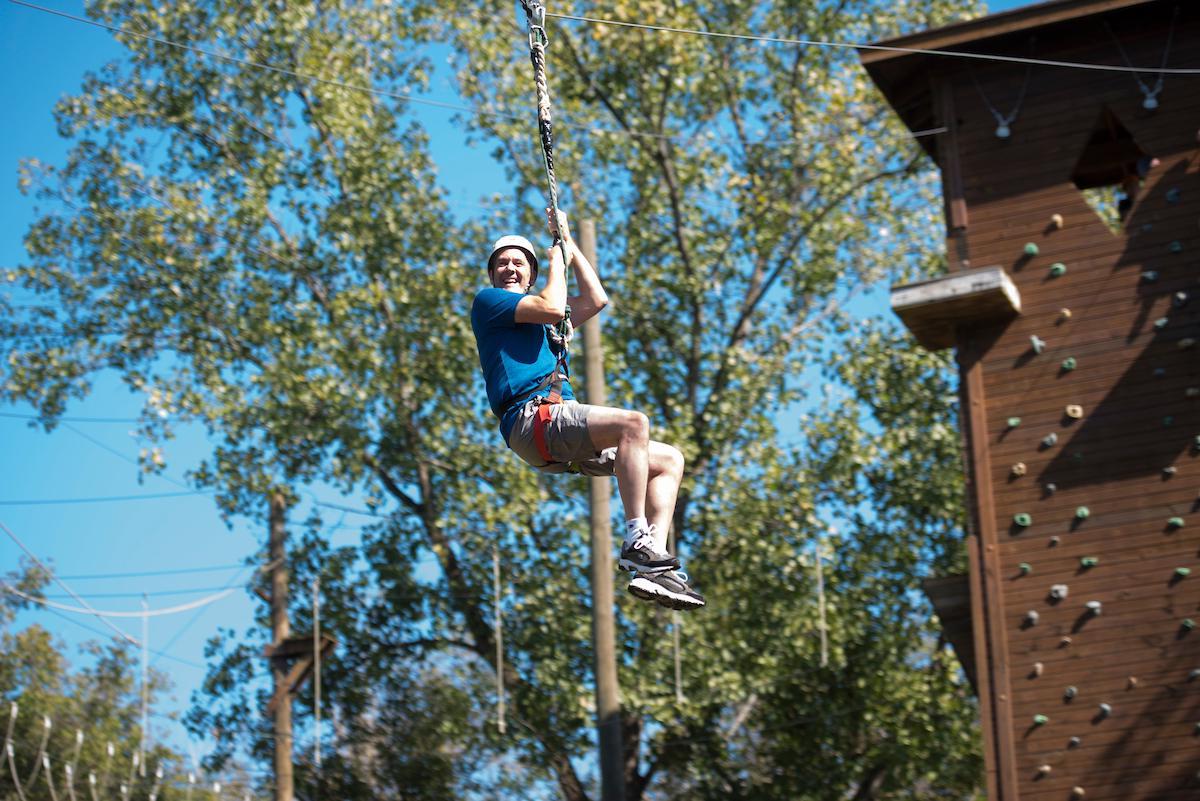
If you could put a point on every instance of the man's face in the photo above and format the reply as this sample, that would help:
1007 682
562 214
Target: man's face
511 270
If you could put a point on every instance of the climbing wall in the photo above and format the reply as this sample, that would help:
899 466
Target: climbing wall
1091 403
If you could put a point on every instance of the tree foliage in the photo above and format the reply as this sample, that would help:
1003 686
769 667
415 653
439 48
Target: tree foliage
85 720
271 255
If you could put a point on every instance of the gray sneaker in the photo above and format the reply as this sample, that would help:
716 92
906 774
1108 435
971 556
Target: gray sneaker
668 588
638 554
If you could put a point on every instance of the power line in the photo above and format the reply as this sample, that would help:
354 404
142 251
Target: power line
158 593
157 653
123 457
143 573
40 418
107 613
104 499
88 607
885 48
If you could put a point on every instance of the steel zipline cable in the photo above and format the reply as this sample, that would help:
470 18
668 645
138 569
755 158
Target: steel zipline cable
879 48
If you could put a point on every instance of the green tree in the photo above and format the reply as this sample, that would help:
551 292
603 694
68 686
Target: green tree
271 256
93 713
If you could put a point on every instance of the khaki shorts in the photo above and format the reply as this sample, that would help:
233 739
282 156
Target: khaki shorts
567 440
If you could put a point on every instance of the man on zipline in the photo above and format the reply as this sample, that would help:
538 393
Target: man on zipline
524 363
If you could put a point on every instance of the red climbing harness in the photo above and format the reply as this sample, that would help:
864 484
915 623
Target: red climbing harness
546 404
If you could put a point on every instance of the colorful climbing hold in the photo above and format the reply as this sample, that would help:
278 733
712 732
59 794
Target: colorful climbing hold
1183 572
1149 276
1082 513
1175 522
1023 519
1179 299
1069 363
1040 720
1074 411
1173 195
1031 617
1025 568
1031 249
1175 247
1070 693
1088 561
1013 422
1159 372
1049 440
1018 469
1058 269
1168 421
1074 742
1059 591
1037 343
1064 314
1056 220
1094 607
1161 323
1188 623
1105 710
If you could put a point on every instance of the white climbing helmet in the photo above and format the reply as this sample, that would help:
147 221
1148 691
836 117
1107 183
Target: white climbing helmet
519 242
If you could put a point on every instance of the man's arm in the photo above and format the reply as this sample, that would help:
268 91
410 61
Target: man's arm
592 297
549 305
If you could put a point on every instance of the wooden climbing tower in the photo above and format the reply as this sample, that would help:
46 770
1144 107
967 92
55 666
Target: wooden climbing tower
1072 206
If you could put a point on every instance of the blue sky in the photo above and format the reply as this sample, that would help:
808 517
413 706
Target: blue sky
43 58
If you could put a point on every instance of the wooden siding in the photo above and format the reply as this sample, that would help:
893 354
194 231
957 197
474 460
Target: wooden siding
1131 380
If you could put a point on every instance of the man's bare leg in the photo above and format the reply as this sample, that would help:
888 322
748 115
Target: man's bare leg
666 473
629 433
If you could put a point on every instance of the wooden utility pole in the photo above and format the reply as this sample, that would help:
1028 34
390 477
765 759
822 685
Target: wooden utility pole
282 700
608 692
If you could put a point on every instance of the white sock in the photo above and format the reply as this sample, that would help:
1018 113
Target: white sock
633 526
660 540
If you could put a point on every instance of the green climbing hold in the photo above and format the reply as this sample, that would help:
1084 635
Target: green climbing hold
1031 249
1069 363
1040 720
1026 568
1161 323
1188 623
1175 522
1089 561
1183 572
1176 246
1082 513
1058 269
1024 519
1013 422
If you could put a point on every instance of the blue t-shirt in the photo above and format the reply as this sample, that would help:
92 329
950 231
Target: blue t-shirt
515 357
